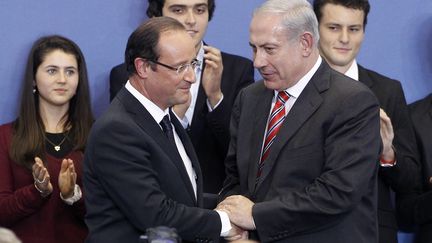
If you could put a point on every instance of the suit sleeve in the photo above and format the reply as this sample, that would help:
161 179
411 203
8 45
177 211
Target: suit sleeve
351 142
413 206
123 165
231 184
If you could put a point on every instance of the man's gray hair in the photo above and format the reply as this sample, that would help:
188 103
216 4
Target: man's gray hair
298 16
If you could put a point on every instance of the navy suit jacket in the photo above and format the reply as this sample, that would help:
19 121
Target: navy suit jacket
401 177
209 131
319 181
421 115
134 179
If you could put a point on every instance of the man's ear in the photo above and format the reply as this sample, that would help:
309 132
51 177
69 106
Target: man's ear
306 42
142 67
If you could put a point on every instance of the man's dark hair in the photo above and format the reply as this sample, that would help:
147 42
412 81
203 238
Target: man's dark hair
144 40
155 7
354 4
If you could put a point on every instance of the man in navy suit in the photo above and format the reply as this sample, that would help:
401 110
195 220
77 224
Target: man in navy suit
418 210
140 168
342 27
306 175
219 79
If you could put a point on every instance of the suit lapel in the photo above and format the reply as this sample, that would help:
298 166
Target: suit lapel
259 106
150 126
364 77
307 103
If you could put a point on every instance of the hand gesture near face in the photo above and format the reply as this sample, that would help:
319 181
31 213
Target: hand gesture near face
211 78
67 178
41 178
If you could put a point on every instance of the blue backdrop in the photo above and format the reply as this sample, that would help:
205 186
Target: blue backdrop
397 42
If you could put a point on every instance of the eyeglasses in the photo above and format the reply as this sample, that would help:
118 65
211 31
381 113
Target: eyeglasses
182 68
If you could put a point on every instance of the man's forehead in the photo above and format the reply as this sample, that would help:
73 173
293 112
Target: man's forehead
185 3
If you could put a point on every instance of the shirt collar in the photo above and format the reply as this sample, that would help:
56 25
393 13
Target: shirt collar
352 71
295 90
154 110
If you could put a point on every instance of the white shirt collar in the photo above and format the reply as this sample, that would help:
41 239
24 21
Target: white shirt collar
352 71
154 110
295 90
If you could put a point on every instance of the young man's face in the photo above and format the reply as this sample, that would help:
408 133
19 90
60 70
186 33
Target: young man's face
341 35
193 14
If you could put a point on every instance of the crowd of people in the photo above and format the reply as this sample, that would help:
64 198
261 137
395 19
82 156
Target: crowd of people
321 149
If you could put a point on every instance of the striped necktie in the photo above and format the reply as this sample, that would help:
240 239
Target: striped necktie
277 117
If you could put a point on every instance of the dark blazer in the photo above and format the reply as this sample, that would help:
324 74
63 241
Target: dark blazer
402 176
134 180
421 115
210 130
318 183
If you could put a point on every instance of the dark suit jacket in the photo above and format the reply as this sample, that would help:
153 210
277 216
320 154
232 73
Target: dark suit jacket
319 181
421 114
402 176
134 180
210 130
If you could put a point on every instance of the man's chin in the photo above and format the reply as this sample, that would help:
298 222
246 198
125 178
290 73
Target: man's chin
271 84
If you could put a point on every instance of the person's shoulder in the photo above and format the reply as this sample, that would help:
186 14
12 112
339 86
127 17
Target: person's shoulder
379 78
5 132
7 125
342 87
421 105
6 128
119 68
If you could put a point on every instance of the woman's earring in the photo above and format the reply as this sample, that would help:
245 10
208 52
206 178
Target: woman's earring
34 90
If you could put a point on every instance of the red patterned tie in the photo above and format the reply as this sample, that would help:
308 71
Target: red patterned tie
276 119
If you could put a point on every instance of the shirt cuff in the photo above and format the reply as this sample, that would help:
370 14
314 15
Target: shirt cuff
387 163
76 196
226 224
209 106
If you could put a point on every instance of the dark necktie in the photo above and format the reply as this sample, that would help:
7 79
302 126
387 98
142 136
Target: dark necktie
168 130
277 116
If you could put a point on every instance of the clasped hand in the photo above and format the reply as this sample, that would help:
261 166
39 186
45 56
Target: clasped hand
239 210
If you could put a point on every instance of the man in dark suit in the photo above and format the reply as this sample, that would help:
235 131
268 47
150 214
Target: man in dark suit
305 176
420 208
342 26
219 79
140 168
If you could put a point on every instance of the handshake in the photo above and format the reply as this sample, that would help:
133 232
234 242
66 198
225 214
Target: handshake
239 210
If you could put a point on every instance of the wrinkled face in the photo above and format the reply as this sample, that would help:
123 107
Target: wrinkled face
57 79
193 14
341 35
164 86
277 58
